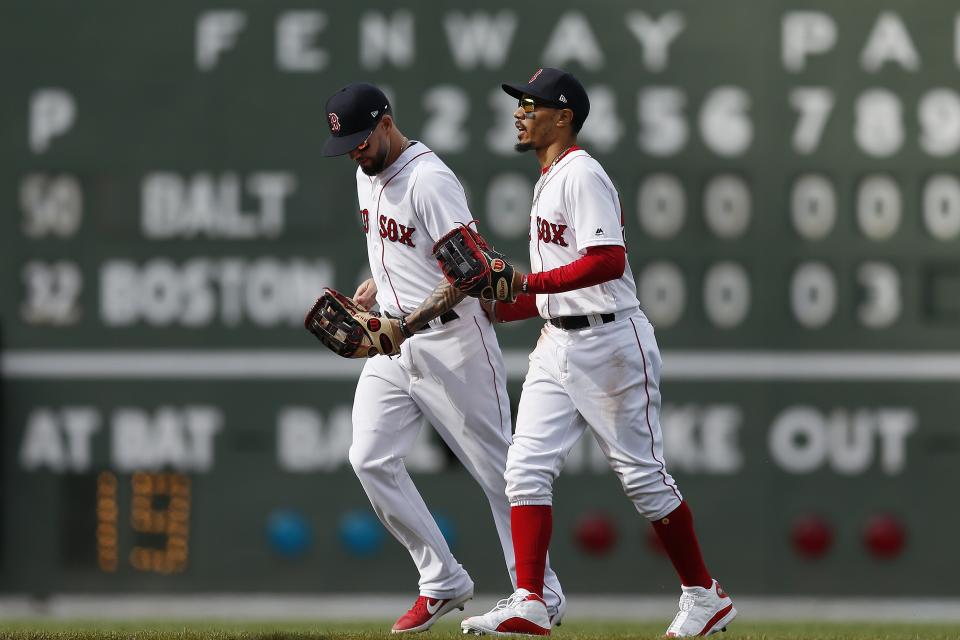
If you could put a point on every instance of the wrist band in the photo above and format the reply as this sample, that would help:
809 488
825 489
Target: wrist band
523 284
405 329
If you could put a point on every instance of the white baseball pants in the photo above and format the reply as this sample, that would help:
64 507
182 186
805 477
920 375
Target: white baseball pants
454 376
605 378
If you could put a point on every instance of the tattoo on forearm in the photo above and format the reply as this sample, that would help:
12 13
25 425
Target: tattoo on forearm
443 298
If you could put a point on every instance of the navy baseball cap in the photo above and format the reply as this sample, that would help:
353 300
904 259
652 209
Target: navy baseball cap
555 88
352 113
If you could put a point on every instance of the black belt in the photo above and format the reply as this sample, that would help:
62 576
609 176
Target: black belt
449 316
570 323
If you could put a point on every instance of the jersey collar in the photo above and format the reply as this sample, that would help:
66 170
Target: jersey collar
416 147
563 155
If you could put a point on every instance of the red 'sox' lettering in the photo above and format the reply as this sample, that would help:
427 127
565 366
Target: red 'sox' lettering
393 231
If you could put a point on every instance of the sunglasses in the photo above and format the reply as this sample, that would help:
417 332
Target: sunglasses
527 104
360 148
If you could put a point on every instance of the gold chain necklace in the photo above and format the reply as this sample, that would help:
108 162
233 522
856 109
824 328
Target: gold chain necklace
543 179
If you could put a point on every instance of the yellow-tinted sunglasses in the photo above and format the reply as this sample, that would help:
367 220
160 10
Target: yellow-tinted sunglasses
528 104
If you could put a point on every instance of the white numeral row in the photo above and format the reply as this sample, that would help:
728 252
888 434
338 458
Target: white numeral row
727 297
728 206
879 127
878 206
662 205
665 126
667 122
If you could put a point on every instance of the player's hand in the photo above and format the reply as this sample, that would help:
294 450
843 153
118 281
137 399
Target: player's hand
350 330
366 295
471 265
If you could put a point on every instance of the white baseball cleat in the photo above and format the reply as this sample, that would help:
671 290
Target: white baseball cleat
702 612
523 613
425 611
556 614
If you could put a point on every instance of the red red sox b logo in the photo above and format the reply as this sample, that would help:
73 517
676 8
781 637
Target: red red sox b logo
394 232
549 232
334 122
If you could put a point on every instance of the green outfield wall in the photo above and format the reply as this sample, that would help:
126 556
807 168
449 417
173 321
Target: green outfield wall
790 183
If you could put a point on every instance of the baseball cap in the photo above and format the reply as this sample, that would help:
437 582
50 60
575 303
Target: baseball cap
352 113
555 88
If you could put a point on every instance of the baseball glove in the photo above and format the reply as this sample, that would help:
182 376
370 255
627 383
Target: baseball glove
474 267
349 330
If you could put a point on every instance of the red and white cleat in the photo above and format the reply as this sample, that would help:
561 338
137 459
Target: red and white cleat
702 612
523 613
425 611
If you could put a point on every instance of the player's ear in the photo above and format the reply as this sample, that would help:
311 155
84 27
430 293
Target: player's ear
566 118
387 121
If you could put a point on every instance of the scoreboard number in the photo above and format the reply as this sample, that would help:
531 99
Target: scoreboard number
159 519
663 127
939 116
882 303
727 205
941 206
814 105
813 295
51 205
725 121
726 294
447 107
879 207
878 126
813 206
662 293
662 205
52 292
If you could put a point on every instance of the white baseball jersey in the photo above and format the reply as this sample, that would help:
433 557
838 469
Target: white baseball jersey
605 377
453 374
575 207
405 209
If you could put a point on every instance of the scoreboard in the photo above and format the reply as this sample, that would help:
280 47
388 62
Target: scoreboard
789 175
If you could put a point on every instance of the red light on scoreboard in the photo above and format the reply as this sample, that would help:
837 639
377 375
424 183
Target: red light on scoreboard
595 533
811 536
885 536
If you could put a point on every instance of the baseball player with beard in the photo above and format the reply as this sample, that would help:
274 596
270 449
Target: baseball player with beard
596 365
450 368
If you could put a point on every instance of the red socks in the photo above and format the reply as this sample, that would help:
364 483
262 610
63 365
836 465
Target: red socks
532 526
676 533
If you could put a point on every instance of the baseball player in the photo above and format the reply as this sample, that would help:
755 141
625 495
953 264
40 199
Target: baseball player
596 366
451 371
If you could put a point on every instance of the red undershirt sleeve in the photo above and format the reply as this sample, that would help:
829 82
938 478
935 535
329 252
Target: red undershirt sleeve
599 264
525 306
